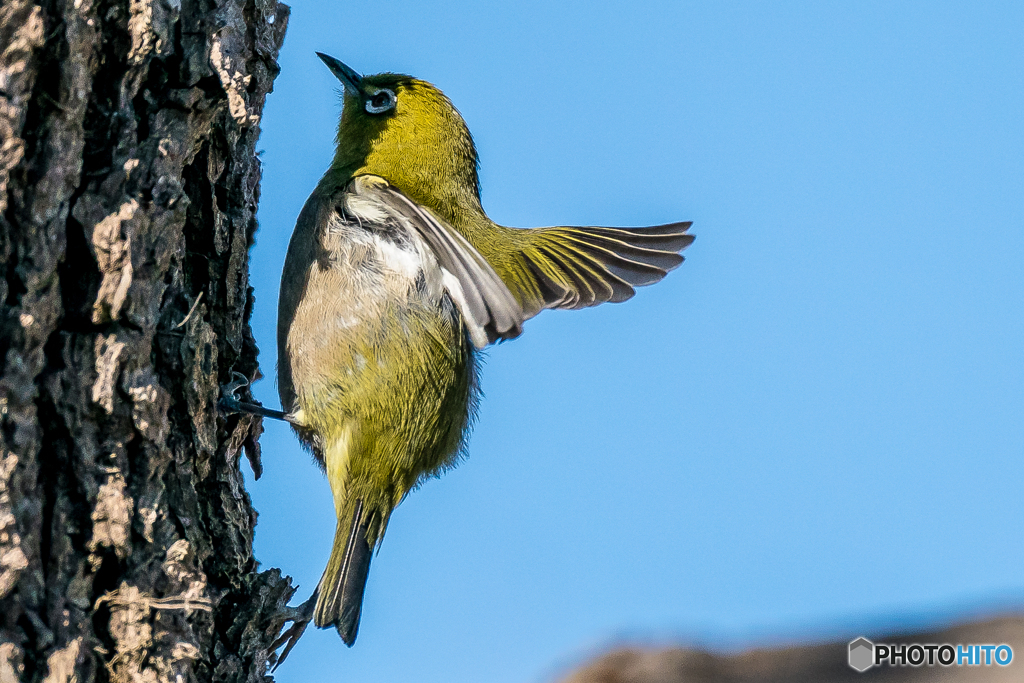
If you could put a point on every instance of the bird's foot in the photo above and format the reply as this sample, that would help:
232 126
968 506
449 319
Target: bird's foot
300 617
230 403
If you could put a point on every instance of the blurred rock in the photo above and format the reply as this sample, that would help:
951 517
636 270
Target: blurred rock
824 663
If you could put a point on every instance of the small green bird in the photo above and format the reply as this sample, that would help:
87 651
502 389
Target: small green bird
395 278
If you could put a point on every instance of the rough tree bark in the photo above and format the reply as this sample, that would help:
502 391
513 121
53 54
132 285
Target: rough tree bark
128 190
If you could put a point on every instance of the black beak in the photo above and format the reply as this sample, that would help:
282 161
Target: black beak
349 78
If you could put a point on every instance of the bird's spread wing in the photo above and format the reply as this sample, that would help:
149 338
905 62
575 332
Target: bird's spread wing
579 267
488 308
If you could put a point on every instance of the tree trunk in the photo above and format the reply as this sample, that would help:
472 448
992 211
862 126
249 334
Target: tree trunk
128 192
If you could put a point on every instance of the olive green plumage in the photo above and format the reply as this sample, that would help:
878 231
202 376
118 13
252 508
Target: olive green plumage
394 278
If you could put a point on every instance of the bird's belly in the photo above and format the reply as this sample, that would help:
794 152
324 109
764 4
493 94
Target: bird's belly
378 355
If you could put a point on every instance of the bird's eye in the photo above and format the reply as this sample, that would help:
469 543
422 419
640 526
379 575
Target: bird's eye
380 101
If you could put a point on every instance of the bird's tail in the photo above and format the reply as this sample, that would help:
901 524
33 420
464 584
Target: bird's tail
340 598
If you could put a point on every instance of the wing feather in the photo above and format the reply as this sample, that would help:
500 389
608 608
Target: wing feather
576 267
489 309
557 267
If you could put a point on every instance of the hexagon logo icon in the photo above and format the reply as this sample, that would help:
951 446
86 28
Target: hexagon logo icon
862 654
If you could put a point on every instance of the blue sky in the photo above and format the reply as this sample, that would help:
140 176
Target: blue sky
814 427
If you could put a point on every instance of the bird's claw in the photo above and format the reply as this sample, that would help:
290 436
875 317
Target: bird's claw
230 403
300 617
238 381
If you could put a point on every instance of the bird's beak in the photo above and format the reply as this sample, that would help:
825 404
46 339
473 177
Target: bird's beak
349 78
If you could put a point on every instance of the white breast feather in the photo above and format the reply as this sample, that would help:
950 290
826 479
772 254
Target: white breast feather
400 265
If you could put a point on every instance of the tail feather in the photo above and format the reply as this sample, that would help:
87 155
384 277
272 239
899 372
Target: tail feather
340 597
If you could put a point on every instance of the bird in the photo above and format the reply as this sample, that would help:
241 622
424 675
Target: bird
394 282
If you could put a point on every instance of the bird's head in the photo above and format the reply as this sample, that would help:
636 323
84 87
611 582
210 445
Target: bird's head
408 132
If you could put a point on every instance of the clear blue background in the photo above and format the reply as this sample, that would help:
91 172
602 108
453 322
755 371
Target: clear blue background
814 427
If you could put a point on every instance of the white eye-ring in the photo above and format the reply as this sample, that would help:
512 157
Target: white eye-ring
380 101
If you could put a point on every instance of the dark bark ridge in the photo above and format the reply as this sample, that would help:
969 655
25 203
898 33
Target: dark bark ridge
128 190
